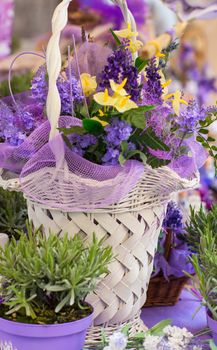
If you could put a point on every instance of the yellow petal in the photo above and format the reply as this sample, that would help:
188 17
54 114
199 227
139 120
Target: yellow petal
126 33
104 99
89 84
125 104
135 46
119 88
100 121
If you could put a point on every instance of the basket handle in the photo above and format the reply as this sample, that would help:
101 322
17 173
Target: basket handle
54 59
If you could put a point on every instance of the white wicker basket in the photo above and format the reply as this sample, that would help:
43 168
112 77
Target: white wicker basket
131 226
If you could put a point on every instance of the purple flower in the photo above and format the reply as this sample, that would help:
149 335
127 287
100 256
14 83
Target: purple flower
189 118
111 156
39 90
174 217
120 66
39 86
117 132
80 143
152 90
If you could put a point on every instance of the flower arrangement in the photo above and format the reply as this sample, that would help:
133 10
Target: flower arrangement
159 337
125 109
51 278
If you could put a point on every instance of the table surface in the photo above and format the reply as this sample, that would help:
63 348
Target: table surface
181 314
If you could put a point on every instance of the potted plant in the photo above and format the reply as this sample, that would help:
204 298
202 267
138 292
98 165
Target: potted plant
203 239
98 163
171 260
44 283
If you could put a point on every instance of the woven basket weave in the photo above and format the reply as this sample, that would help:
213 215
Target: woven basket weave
165 293
131 227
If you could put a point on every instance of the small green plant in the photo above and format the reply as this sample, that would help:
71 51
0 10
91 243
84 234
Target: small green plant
203 238
45 280
200 221
13 212
19 83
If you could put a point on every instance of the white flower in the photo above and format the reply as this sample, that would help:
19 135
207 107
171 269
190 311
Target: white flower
152 342
117 341
178 338
6 346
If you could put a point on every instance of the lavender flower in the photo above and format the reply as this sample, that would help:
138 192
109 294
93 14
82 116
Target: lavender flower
152 90
189 118
64 91
120 66
39 90
39 86
174 217
80 143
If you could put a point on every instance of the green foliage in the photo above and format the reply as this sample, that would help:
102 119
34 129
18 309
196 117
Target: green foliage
205 140
19 83
200 222
136 117
115 37
13 212
203 239
140 64
50 273
149 139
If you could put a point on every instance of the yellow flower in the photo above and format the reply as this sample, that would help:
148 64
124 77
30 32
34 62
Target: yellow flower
89 84
135 46
104 99
126 33
124 104
119 88
120 100
157 47
100 121
176 100
164 83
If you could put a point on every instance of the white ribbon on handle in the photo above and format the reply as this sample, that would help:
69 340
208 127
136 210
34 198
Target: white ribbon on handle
54 59
54 63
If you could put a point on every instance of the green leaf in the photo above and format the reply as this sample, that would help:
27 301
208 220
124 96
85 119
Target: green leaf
150 139
210 139
136 116
73 130
142 155
115 37
125 330
204 131
157 330
92 126
140 64
94 108
199 139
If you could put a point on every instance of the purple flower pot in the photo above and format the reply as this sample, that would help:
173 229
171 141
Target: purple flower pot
212 324
67 336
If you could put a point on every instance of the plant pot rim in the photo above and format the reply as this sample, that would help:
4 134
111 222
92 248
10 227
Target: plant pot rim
45 330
